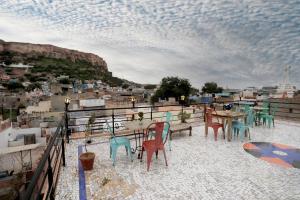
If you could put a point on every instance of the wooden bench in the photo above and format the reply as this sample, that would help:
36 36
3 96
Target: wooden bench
180 127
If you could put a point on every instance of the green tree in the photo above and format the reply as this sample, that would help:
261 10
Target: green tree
125 86
14 85
32 86
211 87
150 86
64 81
172 87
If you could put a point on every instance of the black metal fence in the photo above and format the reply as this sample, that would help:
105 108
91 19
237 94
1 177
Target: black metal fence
288 109
43 182
78 119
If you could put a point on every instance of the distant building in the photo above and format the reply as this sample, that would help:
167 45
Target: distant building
46 89
43 106
250 92
91 103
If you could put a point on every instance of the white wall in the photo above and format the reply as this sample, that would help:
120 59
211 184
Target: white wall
4 136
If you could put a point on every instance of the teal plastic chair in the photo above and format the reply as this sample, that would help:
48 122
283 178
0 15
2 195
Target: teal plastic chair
246 108
261 115
116 142
270 118
169 118
240 128
167 128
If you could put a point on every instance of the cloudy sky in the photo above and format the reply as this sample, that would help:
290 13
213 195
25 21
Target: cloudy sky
236 43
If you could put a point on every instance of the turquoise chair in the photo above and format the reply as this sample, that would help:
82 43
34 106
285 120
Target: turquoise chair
263 113
240 128
270 118
246 108
167 128
116 142
169 118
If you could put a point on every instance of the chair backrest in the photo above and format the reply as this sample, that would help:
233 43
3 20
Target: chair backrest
167 125
250 116
274 108
246 108
168 116
265 104
110 129
209 116
159 127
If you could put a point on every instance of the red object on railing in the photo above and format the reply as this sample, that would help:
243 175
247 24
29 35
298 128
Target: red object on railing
151 146
214 125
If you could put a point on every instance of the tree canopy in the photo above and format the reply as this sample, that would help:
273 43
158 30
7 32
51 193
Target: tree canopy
211 87
172 87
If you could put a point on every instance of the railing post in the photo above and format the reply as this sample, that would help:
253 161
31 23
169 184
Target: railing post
67 122
50 178
204 114
113 120
151 112
63 147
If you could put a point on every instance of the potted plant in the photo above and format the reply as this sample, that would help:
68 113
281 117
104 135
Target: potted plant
87 158
184 116
141 116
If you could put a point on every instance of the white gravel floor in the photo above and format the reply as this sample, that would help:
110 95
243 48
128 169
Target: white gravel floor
199 168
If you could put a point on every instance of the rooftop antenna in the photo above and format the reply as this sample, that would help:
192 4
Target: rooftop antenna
287 74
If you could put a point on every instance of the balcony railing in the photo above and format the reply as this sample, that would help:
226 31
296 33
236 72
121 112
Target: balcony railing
43 182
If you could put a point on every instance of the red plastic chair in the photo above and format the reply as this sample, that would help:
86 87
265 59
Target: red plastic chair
214 125
151 146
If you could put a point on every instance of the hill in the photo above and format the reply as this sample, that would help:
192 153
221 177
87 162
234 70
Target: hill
56 61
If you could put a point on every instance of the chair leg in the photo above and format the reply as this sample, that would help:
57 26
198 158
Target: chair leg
114 152
156 153
216 133
110 151
242 133
129 150
165 157
126 150
169 143
149 158
142 154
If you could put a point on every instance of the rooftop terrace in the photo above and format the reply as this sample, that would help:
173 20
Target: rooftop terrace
199 168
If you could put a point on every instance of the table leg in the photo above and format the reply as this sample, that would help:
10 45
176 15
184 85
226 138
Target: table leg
229 134
206 129
223 132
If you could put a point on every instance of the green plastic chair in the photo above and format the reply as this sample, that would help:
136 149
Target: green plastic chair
269 118
264 112
116 142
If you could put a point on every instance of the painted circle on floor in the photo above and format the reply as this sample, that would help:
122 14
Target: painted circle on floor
279 154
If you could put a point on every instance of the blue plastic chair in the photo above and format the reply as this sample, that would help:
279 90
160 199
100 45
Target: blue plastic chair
116 142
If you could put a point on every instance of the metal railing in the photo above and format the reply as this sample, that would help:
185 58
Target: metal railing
44 180
283 108
123 114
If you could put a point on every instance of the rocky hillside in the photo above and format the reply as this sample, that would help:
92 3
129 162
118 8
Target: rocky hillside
54 60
